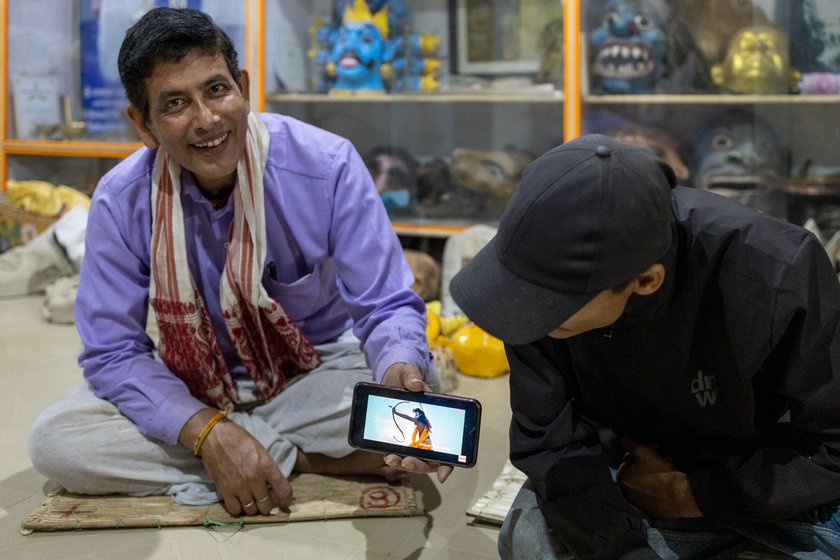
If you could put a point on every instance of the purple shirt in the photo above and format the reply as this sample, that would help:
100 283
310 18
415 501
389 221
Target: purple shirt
337 264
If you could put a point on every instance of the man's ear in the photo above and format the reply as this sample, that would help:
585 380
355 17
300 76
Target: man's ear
650 280
141 127
245 80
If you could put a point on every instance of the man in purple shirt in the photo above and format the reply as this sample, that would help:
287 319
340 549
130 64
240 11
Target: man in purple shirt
264 252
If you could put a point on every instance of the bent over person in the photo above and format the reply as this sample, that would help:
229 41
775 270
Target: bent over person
675 365
277 283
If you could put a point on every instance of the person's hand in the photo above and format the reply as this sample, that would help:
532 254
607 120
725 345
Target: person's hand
651 483
246 476
407 376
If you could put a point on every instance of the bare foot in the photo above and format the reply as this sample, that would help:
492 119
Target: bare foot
358 462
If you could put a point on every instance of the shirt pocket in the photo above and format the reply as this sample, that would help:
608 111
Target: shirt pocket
300 298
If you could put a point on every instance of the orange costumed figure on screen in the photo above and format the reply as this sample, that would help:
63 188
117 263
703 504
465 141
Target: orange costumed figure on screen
421 436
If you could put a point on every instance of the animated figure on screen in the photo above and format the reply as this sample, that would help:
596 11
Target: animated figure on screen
421 437
756 63
366 48
636 44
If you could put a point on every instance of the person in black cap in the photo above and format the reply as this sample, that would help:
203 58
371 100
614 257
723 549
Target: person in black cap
674 365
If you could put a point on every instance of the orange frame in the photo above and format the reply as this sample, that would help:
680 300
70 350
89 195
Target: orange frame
571 70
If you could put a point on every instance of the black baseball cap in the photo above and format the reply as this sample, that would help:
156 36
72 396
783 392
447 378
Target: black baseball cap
589 215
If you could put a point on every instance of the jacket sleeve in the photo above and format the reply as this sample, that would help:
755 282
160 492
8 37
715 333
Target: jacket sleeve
796 466
562 454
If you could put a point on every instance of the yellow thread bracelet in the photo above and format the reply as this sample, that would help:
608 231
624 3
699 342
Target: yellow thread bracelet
199 441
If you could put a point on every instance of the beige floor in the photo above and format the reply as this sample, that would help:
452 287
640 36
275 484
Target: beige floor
38 366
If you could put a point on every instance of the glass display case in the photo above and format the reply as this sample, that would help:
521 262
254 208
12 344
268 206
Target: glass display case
62 102
448 100
740 97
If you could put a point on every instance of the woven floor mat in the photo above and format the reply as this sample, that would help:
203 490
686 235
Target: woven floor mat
493 506
316 497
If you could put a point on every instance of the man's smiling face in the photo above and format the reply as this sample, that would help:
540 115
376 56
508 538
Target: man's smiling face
198 115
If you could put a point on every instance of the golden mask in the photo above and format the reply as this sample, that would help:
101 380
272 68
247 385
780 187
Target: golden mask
756 62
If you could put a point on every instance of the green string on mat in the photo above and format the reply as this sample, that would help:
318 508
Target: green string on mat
210 523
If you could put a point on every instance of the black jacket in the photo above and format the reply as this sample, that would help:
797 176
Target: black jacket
732 368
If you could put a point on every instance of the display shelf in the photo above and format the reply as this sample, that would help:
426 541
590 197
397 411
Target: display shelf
711 99
71 148
458 98
433 230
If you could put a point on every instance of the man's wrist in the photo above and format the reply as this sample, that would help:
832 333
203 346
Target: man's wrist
192 428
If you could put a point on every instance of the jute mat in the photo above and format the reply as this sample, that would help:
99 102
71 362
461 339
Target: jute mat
316 497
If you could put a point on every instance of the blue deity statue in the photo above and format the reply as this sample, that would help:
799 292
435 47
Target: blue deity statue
367 48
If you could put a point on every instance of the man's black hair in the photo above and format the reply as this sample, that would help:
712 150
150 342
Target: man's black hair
168 35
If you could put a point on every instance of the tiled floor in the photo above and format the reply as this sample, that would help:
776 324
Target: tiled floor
38 366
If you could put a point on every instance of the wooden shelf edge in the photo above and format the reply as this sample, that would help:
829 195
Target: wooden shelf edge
70 148
410 229
711 99
556 97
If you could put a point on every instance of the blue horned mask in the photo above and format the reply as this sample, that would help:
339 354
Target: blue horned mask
629 47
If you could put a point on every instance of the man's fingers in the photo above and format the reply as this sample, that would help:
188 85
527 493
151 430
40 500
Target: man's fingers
232 504
261 498
281 488
249 504
413 464
416 384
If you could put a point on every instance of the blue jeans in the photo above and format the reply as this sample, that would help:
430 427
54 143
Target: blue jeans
525 534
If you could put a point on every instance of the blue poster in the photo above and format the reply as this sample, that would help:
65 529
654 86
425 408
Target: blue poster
103 24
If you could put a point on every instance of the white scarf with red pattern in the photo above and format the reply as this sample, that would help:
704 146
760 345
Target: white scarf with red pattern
268 342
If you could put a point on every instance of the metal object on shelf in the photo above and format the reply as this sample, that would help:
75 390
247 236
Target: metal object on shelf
70 129
756 62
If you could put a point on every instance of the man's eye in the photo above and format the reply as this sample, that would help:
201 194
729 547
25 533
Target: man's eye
174 104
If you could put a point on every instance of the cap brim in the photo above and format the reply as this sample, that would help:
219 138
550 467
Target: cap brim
507 306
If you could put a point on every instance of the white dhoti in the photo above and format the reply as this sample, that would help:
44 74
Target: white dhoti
88 447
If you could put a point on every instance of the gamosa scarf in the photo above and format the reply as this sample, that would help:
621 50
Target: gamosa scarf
269 344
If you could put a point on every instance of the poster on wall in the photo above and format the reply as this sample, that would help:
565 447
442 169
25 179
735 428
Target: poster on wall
103 24
35 100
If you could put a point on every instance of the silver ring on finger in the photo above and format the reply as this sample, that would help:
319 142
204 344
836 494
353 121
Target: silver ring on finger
249 504
261 500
